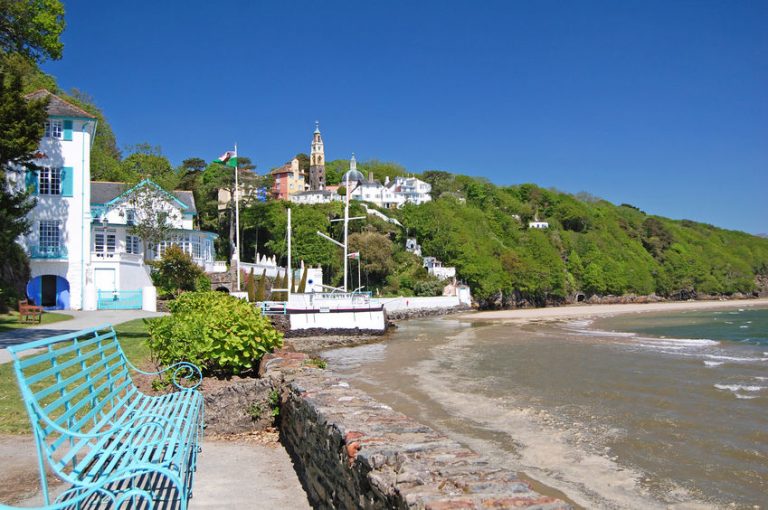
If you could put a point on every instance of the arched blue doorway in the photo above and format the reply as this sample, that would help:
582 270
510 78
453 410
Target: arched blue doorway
49 291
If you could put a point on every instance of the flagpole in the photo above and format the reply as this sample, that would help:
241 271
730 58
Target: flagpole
237 221
346 232
359 283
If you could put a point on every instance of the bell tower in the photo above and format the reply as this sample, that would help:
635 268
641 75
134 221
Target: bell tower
317 161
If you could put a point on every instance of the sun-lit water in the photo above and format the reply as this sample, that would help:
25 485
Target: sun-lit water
667 411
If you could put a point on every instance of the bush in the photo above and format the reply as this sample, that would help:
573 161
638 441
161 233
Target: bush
221 334
176 271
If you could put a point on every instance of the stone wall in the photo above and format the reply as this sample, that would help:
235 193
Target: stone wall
354 452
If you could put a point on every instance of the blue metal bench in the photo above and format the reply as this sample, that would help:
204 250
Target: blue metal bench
94 428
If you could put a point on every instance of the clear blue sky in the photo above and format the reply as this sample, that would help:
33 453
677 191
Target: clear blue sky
663 105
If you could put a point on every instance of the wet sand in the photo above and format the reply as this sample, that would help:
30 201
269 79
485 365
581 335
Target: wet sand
592 311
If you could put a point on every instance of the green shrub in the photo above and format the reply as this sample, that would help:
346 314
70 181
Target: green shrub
202 283
219 333
175 271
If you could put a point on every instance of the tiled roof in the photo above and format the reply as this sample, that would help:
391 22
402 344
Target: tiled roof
103 192
285 169
57 106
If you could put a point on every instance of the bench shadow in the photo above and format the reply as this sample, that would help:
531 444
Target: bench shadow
149 491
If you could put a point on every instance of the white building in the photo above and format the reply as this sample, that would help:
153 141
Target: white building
390 195
411 189
79 242
436 268
538 224
319 196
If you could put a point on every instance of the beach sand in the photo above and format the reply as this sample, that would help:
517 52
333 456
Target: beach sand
524 315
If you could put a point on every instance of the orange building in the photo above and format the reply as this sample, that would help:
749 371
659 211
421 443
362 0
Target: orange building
288 180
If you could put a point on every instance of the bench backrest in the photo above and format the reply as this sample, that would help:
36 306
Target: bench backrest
78 381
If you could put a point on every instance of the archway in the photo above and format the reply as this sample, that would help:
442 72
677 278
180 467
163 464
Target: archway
49 291
222 289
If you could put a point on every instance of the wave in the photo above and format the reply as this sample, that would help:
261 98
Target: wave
713 363
739 387
693 342
746 397
736 358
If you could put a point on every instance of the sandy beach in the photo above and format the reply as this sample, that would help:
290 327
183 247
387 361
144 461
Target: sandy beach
591 311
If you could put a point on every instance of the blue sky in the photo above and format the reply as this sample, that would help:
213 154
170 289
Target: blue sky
663 105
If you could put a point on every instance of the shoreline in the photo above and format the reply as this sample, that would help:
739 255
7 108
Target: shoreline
527 315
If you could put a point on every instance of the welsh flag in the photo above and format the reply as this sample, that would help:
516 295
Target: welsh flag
229 158
355 255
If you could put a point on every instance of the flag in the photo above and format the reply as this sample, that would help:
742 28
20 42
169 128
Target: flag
354 255
229 158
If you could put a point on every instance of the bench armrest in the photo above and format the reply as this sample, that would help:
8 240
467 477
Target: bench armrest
182 370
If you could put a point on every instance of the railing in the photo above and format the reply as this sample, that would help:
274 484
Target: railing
47 252
119 300
273 307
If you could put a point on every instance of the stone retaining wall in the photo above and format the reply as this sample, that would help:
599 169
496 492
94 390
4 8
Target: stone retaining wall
354 452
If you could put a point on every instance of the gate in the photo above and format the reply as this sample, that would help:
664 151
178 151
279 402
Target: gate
119 300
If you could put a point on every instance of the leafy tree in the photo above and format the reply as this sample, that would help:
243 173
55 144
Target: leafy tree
175 271
146 161
153 218
441 182
376 255
31 28
21 124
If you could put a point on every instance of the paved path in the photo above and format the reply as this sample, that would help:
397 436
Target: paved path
246 475
80 320
229 475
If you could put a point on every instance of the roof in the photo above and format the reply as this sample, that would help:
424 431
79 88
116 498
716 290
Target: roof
103 192
57 106
285 169
314 192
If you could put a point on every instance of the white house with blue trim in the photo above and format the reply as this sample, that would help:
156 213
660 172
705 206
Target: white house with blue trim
82 253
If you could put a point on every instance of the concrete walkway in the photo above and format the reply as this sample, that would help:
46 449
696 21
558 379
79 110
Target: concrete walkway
80 320
238 474
246 475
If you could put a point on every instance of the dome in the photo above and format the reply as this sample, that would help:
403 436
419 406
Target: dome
353 176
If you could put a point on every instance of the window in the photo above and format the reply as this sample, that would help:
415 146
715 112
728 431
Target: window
130 217
104 243
50 181
50 234
196 249
132 245
54 129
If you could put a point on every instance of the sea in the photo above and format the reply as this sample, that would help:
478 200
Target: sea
631 411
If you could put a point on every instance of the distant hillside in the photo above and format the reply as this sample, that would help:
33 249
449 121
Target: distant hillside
592 246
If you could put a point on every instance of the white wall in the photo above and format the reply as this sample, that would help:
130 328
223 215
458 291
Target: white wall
420 303
74 212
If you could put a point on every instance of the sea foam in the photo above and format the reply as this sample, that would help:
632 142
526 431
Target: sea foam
737 387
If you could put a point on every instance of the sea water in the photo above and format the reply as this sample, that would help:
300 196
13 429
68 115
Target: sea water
641 411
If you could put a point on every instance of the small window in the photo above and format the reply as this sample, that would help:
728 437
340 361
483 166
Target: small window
130 217
54 129
50 181
132 245
50 234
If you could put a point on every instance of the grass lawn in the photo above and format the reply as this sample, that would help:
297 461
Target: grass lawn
13 415
11 321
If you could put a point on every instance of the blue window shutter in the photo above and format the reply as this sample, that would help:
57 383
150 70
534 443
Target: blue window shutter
31 181
67 130
67 178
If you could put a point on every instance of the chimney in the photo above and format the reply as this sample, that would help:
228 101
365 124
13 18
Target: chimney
370 176
386 180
